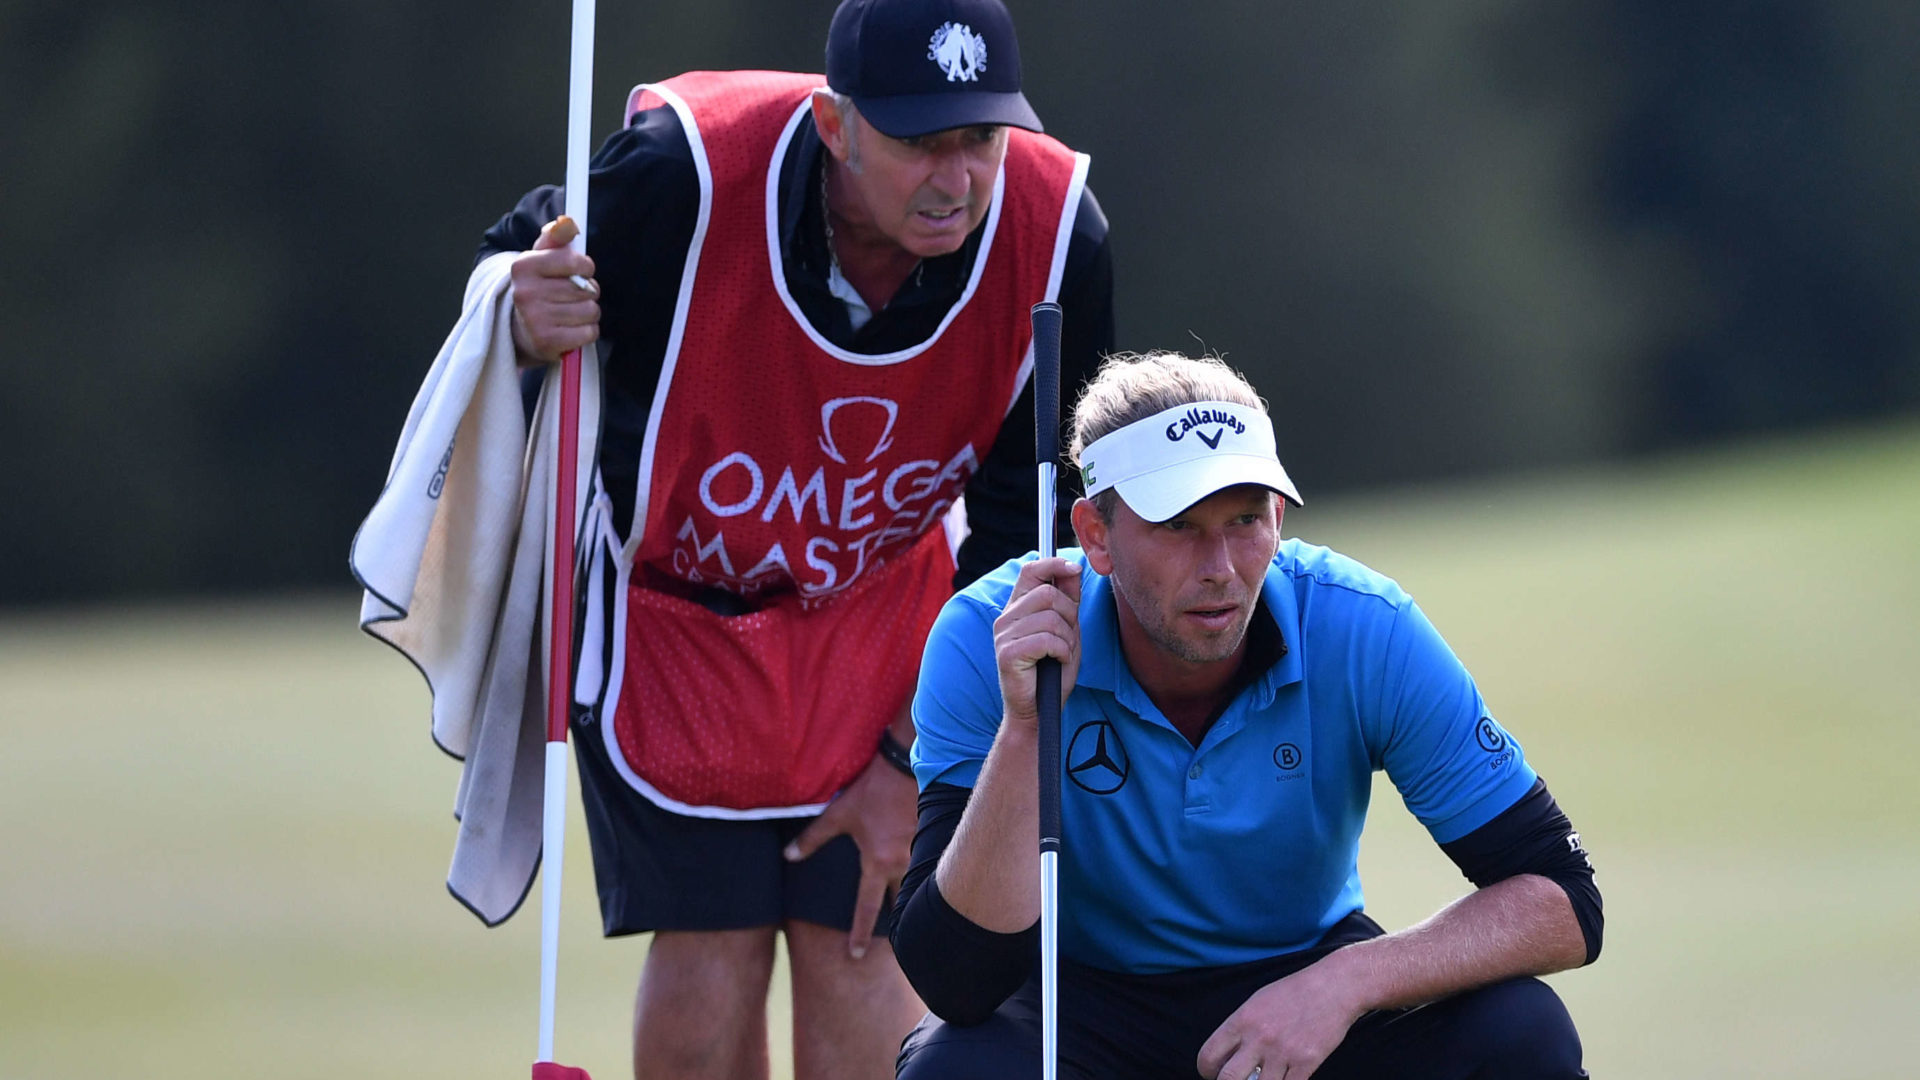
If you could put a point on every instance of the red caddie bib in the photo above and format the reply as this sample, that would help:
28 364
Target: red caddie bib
818 484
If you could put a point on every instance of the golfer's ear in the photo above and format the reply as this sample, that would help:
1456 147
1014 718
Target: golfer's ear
1093 533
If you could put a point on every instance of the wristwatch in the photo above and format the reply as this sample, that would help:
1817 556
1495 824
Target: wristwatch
895 753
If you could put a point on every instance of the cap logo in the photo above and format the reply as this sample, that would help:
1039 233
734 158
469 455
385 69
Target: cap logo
960 52
1194 419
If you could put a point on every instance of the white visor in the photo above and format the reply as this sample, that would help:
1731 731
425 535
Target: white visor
1173 459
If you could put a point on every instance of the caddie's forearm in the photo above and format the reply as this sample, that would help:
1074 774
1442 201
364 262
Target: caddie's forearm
990 874
1523 925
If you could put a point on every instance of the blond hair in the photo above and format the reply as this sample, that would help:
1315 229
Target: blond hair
1133 386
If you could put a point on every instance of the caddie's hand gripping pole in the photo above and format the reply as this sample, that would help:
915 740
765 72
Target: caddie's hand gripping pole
1046 445
560 588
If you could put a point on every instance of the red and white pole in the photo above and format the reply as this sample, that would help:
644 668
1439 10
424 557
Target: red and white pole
561 587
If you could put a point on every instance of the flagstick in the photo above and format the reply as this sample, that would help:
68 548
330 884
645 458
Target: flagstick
560 623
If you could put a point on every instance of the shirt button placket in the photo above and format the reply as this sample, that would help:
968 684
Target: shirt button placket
1198 801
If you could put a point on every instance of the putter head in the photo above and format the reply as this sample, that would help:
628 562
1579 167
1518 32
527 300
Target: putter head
547 1070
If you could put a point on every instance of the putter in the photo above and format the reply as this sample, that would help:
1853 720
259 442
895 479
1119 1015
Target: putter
553 825
1046 446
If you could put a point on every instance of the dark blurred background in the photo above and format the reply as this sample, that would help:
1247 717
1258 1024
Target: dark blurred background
1443 238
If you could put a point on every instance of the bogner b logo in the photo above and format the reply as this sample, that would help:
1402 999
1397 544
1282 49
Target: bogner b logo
1194 419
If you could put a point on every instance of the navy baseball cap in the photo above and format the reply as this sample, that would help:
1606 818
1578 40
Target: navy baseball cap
914 67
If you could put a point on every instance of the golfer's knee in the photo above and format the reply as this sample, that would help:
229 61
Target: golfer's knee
937 1050
1522 1031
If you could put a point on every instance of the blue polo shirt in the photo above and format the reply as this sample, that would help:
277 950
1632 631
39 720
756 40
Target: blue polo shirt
1175 856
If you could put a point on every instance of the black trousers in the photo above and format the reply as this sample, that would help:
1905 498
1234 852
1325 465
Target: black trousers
1130 1027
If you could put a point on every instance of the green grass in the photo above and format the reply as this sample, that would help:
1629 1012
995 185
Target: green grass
225 829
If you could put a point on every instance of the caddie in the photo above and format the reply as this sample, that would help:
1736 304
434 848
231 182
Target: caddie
1228 698
810 296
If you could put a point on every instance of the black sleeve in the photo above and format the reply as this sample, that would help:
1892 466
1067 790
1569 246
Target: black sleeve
1000 497
962 971
1533 836
642 203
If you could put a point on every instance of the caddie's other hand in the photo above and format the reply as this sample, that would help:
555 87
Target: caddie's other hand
878 810
1042 619
552 313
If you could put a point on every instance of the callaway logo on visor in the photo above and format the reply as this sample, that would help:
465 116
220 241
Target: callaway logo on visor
1160 471
1196 419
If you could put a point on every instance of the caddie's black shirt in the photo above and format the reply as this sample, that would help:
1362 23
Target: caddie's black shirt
643 200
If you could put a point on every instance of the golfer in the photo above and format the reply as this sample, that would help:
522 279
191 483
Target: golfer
811 299
1229 696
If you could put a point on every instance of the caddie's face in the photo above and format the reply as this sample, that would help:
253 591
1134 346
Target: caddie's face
927 193
1189 584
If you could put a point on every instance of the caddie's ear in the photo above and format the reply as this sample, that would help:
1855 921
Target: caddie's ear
1093 533
828 121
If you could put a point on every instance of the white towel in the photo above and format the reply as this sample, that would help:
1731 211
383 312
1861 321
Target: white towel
454 557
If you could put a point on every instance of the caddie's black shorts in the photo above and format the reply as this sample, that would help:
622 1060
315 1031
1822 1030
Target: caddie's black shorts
1151 1027
657 870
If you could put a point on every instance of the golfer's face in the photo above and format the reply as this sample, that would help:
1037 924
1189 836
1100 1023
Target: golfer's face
927 193
1192 581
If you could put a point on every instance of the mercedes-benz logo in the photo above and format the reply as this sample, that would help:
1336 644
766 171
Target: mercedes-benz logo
1096 760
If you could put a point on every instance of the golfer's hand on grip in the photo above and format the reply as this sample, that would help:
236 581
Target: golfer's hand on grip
1042 619
552 314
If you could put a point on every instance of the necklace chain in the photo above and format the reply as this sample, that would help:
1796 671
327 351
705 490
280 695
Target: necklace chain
826 219
826 223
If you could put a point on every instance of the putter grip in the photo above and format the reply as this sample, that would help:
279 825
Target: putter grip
1046 382
1047 692
1046 446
